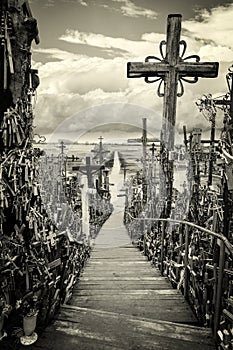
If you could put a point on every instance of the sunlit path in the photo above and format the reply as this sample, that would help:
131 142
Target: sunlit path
113 233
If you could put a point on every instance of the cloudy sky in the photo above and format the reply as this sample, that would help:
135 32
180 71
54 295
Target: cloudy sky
84 49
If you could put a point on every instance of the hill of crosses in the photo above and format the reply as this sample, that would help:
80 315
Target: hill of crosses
186 234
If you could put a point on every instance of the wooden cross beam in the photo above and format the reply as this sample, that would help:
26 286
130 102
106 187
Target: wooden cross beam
171 69
88 170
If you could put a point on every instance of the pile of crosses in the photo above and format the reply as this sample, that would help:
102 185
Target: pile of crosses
193 247
39 260
62 195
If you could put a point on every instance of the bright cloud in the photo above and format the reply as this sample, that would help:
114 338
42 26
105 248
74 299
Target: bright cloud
148 45
215 25
71 83
82 2
129 9
76 83
120 45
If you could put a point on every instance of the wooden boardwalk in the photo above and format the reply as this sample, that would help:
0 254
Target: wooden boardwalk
122 303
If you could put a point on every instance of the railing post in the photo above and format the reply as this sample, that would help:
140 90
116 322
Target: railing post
162 247
219 287
144 232
186 271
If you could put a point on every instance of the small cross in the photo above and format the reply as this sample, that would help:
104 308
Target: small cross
62 146
153 149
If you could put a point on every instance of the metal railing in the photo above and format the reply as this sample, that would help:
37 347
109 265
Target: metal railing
181 270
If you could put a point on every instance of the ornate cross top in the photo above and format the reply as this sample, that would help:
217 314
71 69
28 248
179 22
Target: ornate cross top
171 69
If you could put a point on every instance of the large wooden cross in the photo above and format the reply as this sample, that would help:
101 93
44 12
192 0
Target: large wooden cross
171 70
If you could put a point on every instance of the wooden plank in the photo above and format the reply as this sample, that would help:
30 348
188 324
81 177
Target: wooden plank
117 258
191 69
143 330
140 292
121 278
111 287
119 271
174 310
122 263
118 268
140 297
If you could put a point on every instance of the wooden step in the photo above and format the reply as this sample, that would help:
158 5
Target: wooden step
94 329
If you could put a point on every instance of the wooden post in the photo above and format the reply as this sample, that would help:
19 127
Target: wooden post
100 161
144 137
218 301
144 233
162 247
212 146
144 144
186 271
85 207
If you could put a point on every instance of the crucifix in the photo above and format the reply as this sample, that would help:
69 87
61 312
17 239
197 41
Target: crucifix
88 170
87 186
171 70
